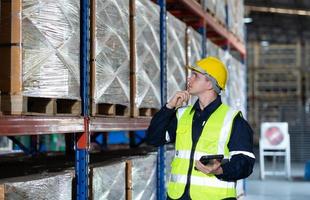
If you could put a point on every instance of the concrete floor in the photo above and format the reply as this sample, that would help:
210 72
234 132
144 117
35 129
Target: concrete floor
274 188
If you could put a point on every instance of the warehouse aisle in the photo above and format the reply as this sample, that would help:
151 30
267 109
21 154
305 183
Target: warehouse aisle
274 188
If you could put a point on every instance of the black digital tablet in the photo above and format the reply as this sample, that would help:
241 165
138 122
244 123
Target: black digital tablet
206 160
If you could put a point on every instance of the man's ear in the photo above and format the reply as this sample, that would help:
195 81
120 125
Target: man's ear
209 84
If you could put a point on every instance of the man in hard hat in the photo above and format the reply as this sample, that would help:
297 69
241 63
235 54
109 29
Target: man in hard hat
208 127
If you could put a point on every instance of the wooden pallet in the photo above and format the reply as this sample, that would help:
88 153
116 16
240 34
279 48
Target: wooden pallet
199 2
272 109
210 12
106 109
22 105
110 107
264 110
251 112
11 80
2 192
68 107
277 82
307 85
214 15
250 81
223 24
0 104
113 110
306 55
146 112
236 35
10 47
277 55
250 55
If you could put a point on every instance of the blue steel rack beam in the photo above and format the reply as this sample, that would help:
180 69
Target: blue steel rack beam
82 140
21 145
161 190
203 31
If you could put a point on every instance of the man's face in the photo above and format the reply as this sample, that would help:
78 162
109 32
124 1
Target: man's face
198 83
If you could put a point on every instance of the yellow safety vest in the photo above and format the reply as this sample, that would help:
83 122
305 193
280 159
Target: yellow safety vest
213 140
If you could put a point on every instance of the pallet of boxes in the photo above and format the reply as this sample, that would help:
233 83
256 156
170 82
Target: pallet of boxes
39 71
125 68
39 75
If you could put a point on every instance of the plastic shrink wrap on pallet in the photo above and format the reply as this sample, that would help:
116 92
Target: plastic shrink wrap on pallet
215 8
108 182
235 91
176 79
209 5
225 57
51 50
147 54
52 186
194 47
235 18
212 49
5 144
194 51
237 85
144 177
112 52
220 11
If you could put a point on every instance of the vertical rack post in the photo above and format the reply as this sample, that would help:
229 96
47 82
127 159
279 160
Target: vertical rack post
203 31
132 65
161 189
244 62
227 48
82 141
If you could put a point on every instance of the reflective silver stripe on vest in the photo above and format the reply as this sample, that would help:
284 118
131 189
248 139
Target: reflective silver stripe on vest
225 131
178 178
249 154
167 137
181 111
185 154
202 181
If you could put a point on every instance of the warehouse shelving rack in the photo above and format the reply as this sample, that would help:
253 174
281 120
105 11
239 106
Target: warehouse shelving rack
192 13
188 11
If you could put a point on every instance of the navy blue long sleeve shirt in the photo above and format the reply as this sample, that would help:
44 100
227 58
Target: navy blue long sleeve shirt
240 144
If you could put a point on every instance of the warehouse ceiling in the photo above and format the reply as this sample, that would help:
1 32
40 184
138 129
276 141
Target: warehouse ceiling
290 4
278 21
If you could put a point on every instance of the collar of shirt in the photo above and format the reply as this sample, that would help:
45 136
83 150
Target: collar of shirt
209 108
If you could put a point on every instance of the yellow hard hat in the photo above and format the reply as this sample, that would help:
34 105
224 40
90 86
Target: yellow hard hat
213 67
